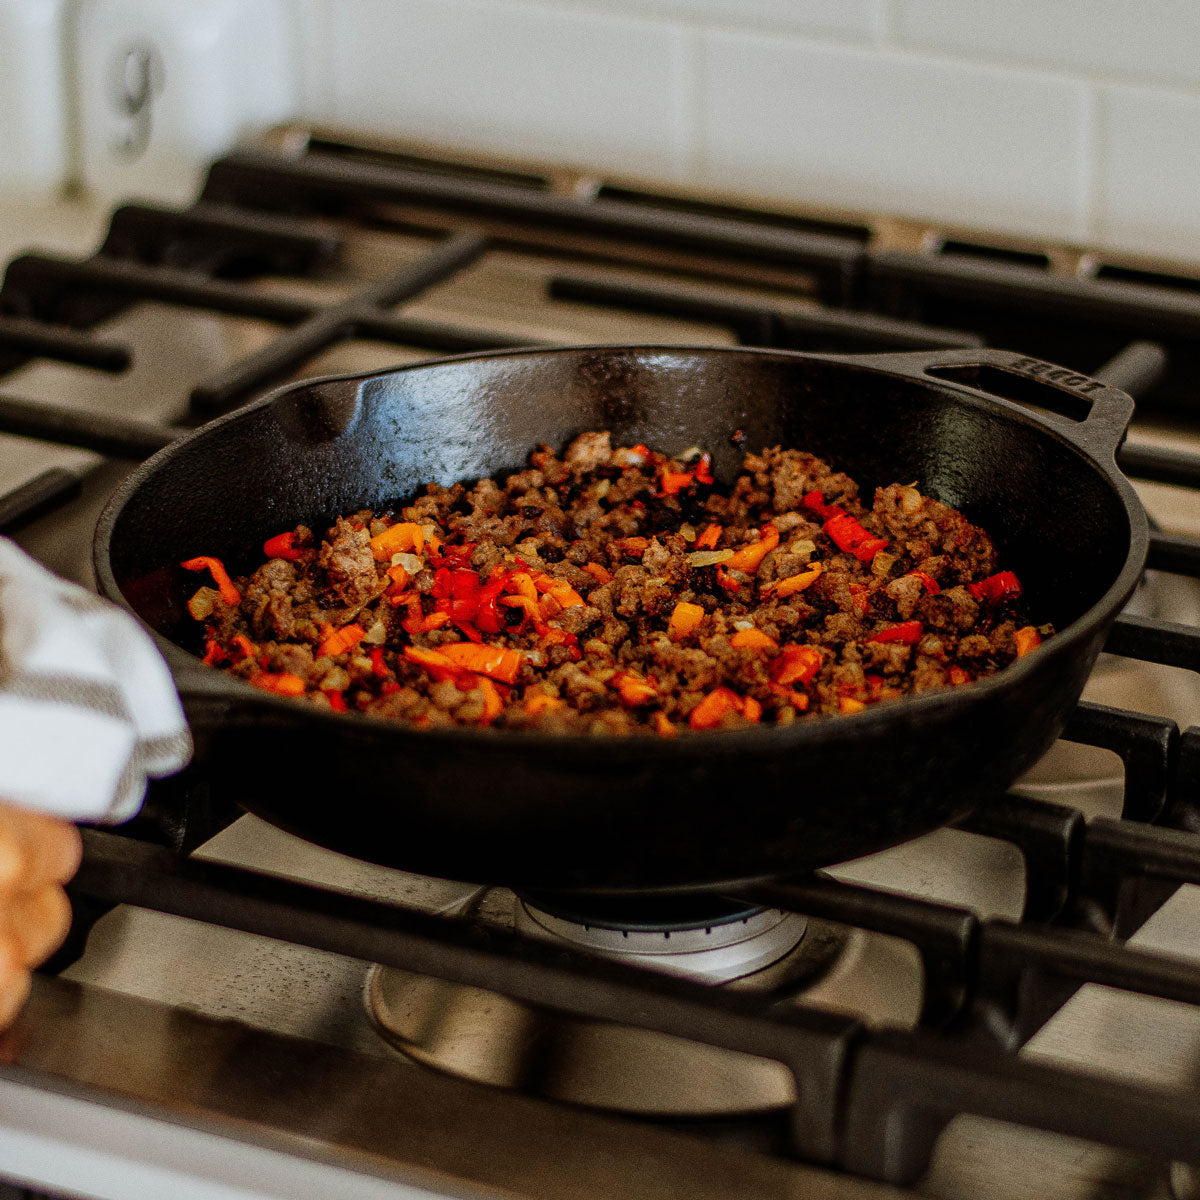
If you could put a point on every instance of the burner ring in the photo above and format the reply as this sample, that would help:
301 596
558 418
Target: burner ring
715 950
653 914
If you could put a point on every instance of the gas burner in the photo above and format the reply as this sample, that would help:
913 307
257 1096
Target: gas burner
703 937
491 1039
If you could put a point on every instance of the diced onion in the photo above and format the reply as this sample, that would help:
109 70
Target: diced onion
688 532
802 546
410 562
882 563
376 635
708 558
602 488
201 604
335 680
742 623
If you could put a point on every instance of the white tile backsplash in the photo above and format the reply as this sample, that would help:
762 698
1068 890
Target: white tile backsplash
1148 188
33 124
524 79
1143 39
1006 118
891 132
1061 120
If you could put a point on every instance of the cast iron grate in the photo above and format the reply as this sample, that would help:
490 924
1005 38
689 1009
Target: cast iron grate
872 1102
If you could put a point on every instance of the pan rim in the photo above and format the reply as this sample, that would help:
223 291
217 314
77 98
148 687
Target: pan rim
727 741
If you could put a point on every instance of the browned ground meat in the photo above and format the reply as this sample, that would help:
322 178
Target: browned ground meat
620 591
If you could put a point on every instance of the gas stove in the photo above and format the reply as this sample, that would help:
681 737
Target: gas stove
1006 1008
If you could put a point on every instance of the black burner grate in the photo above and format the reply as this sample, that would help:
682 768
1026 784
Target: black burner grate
871 1102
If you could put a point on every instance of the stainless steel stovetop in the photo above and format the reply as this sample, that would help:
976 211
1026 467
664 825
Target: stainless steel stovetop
187 1059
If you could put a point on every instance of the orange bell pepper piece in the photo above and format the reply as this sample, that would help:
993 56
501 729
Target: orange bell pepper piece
205 562
634 689
685 618
338 641
796 664
1028 639
748 557
493 661
493 706
753 639
560 589
782 588
245 645
709 538
407 535
598 573
725 580
713 709
798 700
539 701
673 482
433 661
285 684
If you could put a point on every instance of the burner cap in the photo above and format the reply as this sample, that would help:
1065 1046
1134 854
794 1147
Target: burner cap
641 914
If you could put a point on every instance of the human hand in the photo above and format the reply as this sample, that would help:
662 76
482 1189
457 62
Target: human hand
38 854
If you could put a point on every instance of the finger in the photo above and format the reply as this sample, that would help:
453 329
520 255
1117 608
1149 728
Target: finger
15 982
35 850
36 923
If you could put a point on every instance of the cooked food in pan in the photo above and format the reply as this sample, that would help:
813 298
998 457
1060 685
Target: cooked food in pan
622 591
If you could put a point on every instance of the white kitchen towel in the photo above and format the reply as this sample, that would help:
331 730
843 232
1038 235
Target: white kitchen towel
88 709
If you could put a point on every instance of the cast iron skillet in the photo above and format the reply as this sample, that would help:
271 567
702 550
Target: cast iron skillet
611 814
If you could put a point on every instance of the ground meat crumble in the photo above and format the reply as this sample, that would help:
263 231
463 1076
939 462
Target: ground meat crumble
618 590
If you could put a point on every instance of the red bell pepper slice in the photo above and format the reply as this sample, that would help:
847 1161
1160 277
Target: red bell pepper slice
282 546
851 537
906 633
1004 585
815 502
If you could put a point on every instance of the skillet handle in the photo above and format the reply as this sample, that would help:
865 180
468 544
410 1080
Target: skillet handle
1091 413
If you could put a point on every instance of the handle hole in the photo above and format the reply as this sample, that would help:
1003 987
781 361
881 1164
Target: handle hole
1025 390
